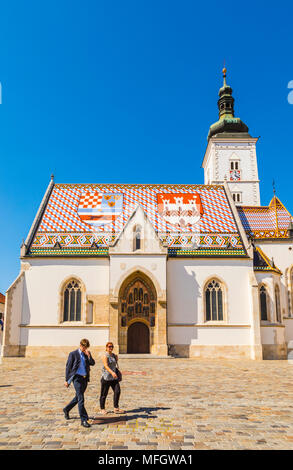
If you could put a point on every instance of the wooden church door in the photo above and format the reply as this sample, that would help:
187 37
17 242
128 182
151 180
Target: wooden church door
138 338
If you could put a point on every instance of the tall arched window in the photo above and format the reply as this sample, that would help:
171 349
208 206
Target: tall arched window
72 301
278 304
263 303
137 238
214 301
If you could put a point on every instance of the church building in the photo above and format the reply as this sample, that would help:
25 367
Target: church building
184 270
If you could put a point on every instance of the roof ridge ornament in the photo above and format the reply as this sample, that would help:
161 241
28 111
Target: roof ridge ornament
224 71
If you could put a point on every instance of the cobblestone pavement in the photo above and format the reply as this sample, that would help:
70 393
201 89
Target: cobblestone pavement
170 404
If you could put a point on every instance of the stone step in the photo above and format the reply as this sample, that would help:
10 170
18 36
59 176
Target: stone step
142 356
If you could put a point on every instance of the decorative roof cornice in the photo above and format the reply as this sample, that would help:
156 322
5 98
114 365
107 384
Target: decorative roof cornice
138 185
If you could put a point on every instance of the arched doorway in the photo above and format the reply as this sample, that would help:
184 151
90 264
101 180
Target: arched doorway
138 338
137 314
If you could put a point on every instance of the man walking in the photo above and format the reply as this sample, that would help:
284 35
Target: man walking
78 371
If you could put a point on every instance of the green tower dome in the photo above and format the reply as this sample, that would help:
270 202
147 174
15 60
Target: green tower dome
227 123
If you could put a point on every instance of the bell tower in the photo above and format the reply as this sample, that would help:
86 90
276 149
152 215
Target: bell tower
231 153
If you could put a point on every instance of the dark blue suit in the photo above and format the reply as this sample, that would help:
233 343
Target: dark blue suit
80 382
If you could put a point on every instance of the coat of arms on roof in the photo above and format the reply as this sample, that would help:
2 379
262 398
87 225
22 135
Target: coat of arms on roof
180 209
99 208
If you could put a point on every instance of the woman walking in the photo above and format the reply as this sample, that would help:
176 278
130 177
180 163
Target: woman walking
110 378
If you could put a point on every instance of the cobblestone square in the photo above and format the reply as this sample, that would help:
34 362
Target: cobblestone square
176 404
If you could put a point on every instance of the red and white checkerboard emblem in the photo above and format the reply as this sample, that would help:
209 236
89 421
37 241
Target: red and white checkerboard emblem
100 208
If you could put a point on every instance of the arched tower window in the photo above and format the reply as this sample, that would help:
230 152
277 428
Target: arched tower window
278 304
263 303
137 238
214 301
72 301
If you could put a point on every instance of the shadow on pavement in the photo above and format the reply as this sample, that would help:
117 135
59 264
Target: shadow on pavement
123 418
148 410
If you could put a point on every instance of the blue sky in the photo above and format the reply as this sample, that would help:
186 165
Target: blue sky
111 91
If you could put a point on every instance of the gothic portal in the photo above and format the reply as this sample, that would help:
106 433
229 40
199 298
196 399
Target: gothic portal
137 314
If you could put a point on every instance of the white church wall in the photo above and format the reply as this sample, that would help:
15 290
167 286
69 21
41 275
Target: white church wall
288 322
268 280
58 336
186 279
273 341
282 253
273 334
44 278
12 318
202 335
181 334
215 335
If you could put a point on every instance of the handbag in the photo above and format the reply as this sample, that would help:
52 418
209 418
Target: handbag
119 375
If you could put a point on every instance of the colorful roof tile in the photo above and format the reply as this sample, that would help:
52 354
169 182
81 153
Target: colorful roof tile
85 219
2 298
265 222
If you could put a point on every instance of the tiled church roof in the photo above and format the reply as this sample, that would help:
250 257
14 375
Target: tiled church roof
266 221
2 298
63 228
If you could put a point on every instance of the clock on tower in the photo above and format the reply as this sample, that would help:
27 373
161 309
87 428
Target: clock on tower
234 175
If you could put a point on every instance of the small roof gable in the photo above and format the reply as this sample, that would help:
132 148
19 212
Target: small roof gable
85 219
262 263
124 241
265 222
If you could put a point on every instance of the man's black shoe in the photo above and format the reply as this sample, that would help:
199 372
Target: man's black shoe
85 424
66 413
